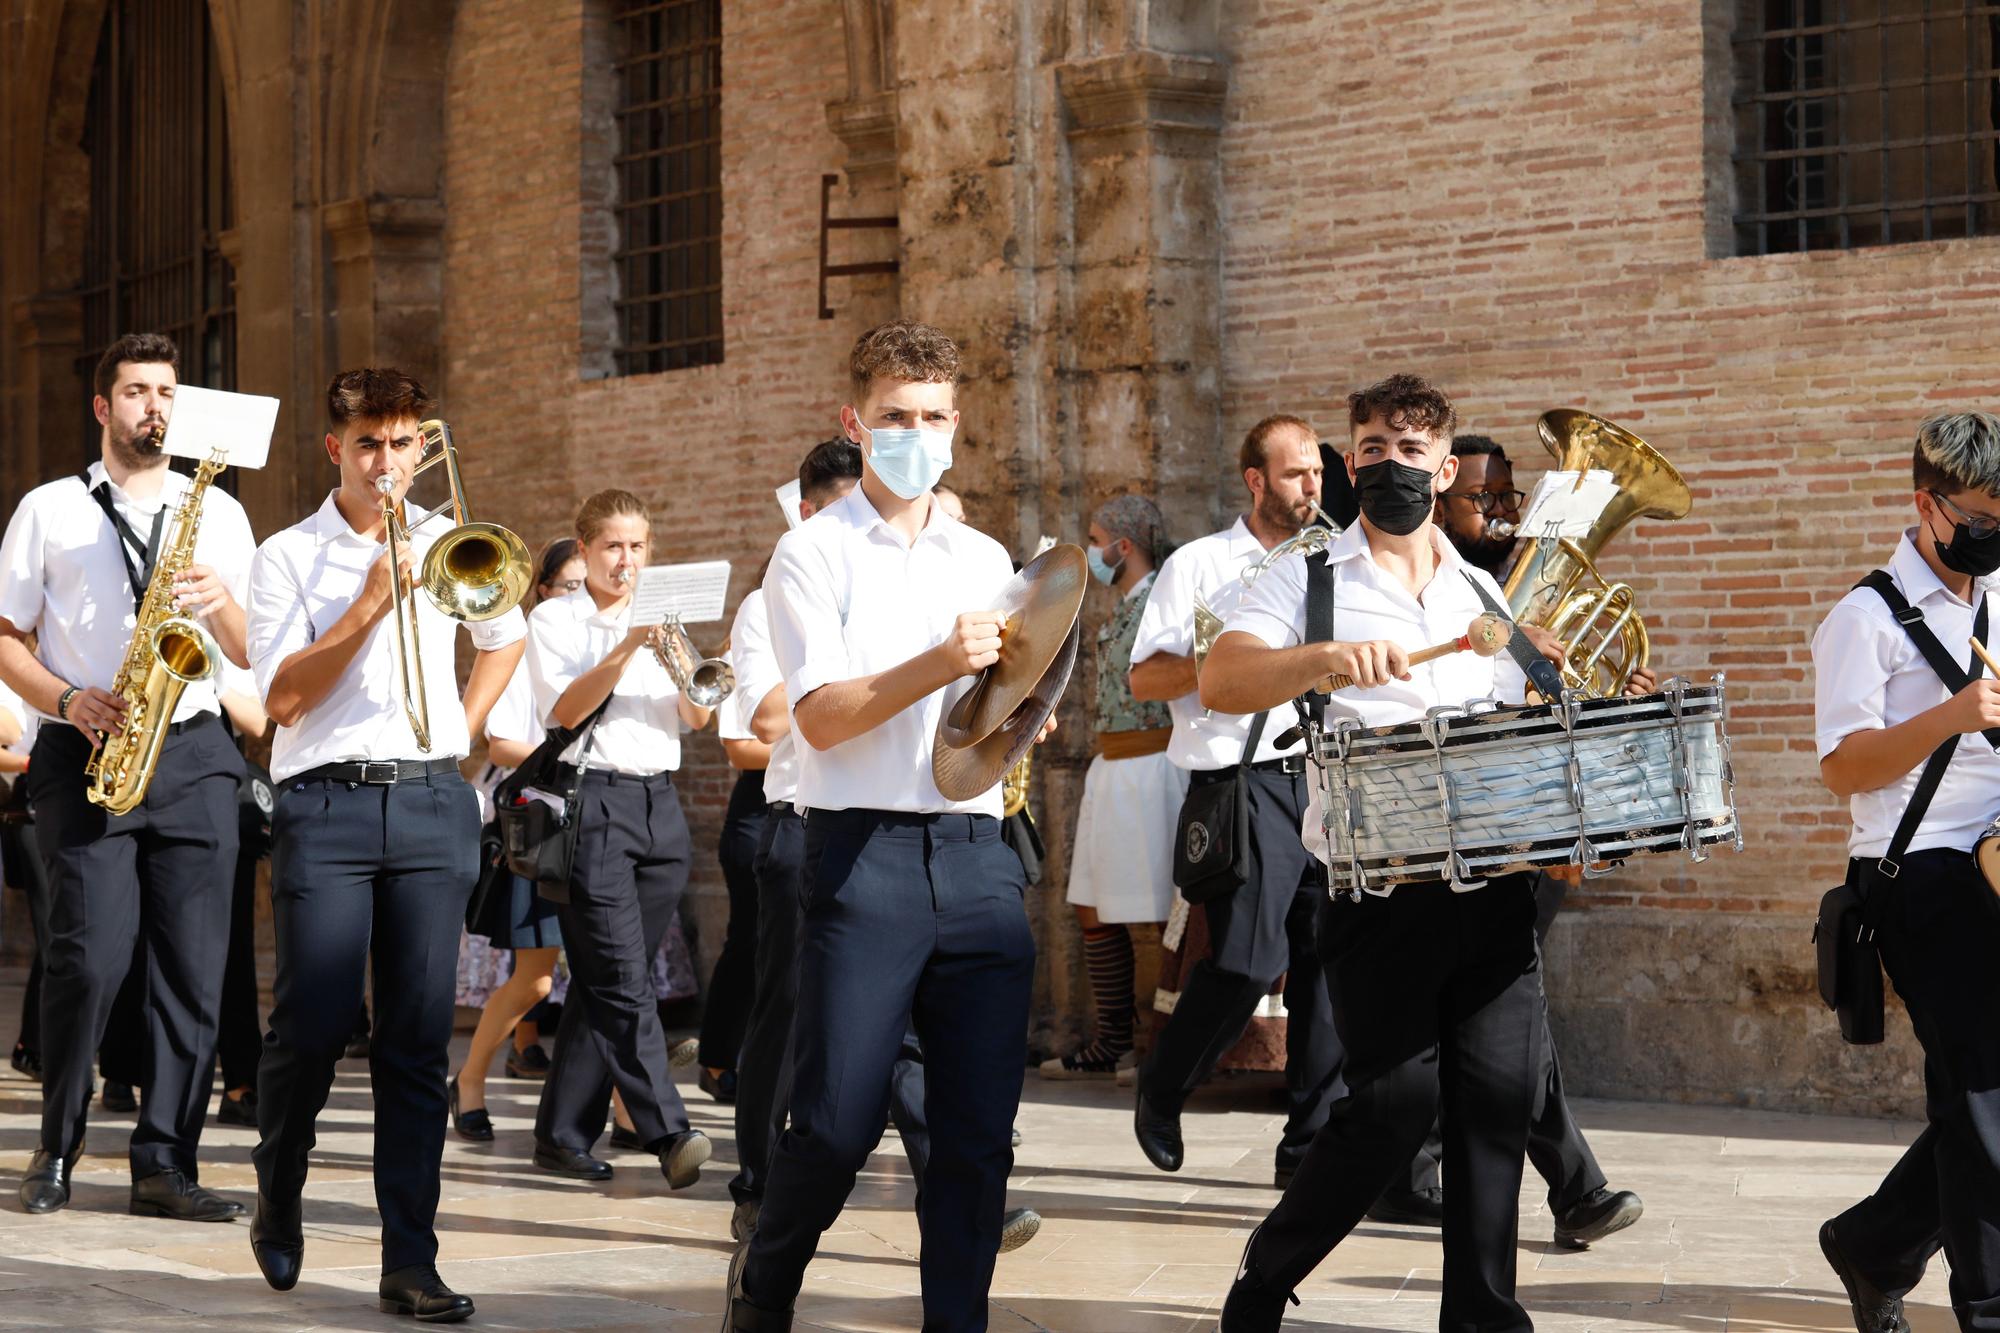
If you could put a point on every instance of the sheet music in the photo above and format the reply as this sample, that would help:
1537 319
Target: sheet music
788 502
695 592
1562 507
205 420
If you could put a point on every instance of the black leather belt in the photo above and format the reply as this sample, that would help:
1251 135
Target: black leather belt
188 724
614 777
1289 763
377 772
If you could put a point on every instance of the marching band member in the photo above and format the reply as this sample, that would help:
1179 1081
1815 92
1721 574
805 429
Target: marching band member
74 566
1582 1206
1121 859
1438 993
632 852
1880 711
879 611
1263 929
376 840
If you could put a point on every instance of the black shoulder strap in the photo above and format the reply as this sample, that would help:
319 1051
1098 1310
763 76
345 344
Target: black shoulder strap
1541 673
1920 804
1948 670
1319 623
141 571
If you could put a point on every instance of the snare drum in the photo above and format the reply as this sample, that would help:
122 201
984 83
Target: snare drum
1484 789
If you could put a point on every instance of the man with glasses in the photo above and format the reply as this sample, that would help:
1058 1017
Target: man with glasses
1482 493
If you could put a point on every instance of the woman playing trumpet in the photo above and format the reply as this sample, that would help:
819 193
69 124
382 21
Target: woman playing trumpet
586 660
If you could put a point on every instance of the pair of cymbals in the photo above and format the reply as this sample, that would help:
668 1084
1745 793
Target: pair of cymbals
991 726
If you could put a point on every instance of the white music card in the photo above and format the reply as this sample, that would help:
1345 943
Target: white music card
788 502
693 593
1565 505
205 420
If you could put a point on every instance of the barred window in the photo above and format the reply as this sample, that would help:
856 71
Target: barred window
158 142
1865 122
669 168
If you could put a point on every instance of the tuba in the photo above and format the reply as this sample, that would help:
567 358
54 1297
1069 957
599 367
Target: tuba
476 571
1555 583
168 653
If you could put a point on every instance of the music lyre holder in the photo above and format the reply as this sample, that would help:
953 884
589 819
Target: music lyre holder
827 224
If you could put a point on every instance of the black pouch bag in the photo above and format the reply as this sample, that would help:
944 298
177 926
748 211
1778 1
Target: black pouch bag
1212 840
1844 934
537 840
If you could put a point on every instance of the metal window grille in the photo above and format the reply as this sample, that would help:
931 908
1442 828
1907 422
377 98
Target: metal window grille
669 170
160 194
1865 122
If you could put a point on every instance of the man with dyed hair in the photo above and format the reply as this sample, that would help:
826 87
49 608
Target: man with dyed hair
1899 705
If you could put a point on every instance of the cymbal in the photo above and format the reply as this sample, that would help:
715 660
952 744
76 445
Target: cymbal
1041 604
963 772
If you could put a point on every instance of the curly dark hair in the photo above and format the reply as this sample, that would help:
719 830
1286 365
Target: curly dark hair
902 349
138 348
1406 402
376 394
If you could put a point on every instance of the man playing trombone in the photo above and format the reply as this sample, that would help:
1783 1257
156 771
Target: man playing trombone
376 836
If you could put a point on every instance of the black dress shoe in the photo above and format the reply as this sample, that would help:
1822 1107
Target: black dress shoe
475 1124
357 1047
45 1184
738 1314
1409 1208
421 1292
275 1241
570 1162
238 1110
119 1097
532 1062
1874 1312
172 1194
627 1139
27 1063
1159 1135
1595 1216
720 1086
681 1157
1250 1306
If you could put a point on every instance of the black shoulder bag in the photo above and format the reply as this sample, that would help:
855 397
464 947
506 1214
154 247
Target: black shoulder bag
1849 960
538 840
1212 842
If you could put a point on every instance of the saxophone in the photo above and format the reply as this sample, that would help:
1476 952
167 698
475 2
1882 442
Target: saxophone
168 653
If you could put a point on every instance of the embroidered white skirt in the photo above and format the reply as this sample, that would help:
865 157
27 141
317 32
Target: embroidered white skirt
1122 863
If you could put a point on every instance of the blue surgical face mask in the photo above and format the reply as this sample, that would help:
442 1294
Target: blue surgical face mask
1100 570
907 459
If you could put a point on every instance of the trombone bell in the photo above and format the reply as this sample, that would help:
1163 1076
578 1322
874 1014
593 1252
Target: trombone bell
477 571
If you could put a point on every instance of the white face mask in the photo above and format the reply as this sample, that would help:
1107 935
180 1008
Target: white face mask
908 459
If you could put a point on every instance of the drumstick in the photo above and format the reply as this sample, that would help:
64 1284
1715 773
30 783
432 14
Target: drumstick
1486 635
1986 657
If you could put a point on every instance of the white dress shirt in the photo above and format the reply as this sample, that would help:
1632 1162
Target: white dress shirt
848 598
640 733
303 580
1867 675
63 575
512 717
757 674
29 719
1209 567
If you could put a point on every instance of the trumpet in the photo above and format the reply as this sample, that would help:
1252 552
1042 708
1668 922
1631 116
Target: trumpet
702 681
474 572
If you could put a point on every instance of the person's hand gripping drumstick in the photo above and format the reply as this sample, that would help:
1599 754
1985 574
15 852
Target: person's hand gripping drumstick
1379 661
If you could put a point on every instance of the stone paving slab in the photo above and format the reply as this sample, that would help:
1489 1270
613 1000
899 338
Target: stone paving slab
1734 1201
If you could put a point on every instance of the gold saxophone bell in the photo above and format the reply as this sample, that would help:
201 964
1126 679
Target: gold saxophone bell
1555 582
474 572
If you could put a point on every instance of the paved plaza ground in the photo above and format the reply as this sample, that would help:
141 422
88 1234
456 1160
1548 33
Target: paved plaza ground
1733 1201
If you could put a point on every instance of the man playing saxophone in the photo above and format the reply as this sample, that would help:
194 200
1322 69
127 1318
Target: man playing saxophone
75 565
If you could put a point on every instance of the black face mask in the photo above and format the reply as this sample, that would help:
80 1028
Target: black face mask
1395 497
1970 555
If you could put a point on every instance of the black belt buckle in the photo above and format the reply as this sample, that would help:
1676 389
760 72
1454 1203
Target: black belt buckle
1292 763
378 773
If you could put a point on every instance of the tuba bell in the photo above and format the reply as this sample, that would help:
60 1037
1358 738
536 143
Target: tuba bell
1555 582
475 571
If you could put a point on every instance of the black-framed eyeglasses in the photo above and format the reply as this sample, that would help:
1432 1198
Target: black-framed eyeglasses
1978 526
1488 501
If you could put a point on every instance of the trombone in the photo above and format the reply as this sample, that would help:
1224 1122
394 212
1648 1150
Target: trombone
475 571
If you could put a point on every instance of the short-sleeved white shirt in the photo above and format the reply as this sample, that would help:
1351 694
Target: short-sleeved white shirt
303 580
757 674
1209 569
512 717
1867 676
849 598
640 732
64 579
